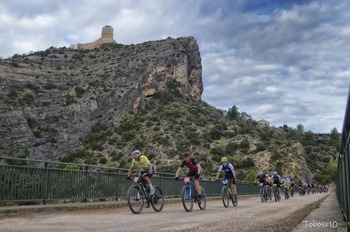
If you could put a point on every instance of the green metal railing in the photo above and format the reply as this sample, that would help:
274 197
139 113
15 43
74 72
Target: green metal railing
38 180
343 177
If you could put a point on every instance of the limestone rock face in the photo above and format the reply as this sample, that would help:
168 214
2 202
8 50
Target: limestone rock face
50 100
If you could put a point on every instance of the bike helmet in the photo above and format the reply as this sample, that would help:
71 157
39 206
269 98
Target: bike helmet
224 160
136 153
274 173
186 154
266 175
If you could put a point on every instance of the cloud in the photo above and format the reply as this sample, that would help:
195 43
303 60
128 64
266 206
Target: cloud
283 61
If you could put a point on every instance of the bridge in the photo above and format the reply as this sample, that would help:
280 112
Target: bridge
43 184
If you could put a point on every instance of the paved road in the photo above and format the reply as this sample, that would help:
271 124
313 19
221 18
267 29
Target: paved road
250 214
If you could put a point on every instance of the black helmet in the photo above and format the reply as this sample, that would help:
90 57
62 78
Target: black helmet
186 154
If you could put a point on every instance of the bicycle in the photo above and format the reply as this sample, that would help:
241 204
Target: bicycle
138 195
263 194
276 193
227 194
269 192
286 192
189 195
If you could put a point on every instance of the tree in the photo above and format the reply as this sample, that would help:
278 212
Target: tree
250 177
335 138
300 128
233 113
331 169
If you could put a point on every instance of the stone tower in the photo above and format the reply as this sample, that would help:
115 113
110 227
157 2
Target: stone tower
107 32
106 37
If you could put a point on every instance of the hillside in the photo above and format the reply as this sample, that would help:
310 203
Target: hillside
96 106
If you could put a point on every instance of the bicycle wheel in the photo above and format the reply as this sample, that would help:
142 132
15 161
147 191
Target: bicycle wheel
135 199
262 194
203 203
157 200
187 198
234 199
225 195
275 193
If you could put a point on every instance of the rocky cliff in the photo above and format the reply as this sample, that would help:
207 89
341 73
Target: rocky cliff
50 100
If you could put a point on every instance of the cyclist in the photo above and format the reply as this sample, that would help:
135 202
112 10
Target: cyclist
268 183
261 178
286 183
230 173
292 184
141 162
194 170
276 181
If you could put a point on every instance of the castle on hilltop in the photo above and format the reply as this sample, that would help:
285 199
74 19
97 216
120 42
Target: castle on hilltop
106 37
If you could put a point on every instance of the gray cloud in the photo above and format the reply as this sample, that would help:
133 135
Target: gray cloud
282 61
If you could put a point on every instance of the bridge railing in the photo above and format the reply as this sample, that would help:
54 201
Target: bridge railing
343 175
38 180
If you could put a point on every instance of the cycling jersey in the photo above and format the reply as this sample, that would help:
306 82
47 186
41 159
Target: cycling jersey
191 165
261 177
268 181
228 170
142 164
276 179
292 183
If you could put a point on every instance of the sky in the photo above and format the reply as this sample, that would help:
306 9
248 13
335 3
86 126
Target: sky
284 61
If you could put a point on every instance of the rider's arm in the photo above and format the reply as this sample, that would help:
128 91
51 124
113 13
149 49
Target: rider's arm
219 172
150 170
178 172
233 173
199 169
217 175
130 170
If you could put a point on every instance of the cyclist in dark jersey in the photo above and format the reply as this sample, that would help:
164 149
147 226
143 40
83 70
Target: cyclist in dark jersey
194 170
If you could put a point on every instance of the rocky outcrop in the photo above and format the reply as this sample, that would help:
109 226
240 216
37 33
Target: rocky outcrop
50 100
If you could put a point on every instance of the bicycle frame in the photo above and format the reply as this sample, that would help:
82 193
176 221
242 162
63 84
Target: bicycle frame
138 195
227 193
263 194
193 191
286 192
189 195
276 192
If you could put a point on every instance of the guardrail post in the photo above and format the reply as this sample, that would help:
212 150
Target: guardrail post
86 184
45 184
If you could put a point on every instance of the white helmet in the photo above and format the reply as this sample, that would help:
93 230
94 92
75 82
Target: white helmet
136 153
274 173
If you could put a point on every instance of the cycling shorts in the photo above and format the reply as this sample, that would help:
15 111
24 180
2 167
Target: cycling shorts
192 174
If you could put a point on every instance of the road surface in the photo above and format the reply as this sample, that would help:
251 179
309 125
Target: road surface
250 215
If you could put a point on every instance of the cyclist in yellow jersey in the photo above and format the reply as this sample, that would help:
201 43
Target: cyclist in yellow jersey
268 183
142 163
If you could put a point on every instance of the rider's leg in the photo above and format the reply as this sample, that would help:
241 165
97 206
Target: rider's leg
149 183
233 186
234 189
198 187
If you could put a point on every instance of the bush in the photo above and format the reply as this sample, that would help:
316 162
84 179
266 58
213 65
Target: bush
250 177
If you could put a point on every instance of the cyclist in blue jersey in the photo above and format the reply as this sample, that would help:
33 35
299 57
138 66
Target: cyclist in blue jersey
276 181
230 173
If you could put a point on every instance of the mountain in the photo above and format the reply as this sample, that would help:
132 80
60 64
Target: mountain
96 106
